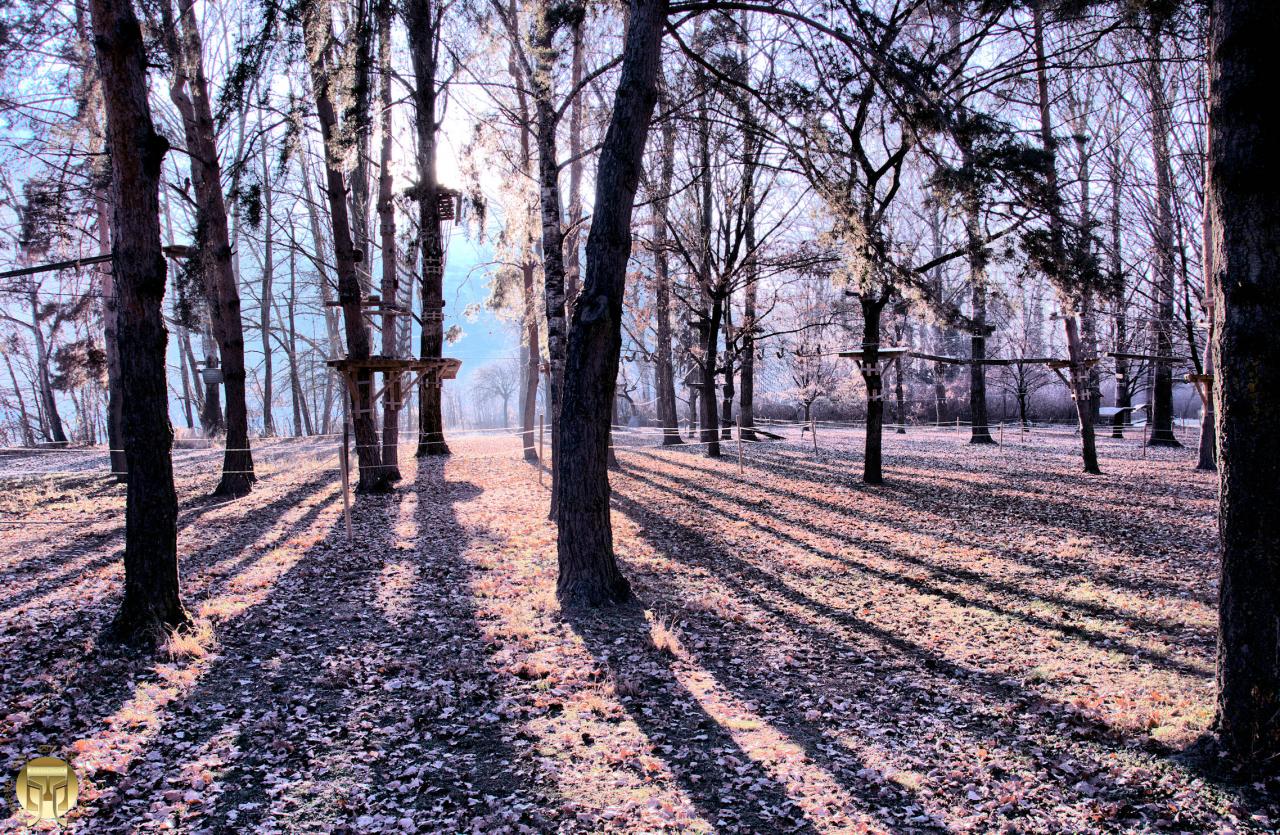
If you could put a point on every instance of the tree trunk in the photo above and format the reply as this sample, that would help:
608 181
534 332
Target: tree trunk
151 605
1057 266
572 260
1245 217
1119 304
553 240
899 396
980 430
532 366
712 297
588 571
191 390
393 400
872 307
1162 318
268 274
373 477
665 370
52 423
190 94
28 436
115 406
301 414
726 400
422 29
211 402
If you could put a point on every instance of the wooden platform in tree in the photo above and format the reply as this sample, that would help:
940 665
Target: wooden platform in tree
431 370
440 368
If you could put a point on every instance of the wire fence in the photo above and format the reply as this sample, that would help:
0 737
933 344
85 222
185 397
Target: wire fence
318 454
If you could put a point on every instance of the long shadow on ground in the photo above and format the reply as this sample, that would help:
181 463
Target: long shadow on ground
348 699
1059 745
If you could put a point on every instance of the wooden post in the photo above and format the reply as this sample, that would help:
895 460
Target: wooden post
1145 425
813 430
740 470
1001 441
542 426
346 464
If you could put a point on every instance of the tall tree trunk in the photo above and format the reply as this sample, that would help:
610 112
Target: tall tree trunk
1077 380
588 571
28 436
211 401
151 605
390 280
1088 313
264 310
358 60
1119 303
900 397
373 477
53 429
572 258
1162 318
111 345
747 369
872 307
712 295
532 366
1207 458
297 398
190 94
980 429
665 369
332 329
727 392
1244 207
423 47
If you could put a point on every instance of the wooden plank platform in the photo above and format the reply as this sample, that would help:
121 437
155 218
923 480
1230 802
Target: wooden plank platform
446 368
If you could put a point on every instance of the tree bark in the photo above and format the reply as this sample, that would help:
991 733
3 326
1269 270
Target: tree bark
872 307
553 242
373 477
189 91
52 422
1162 315
1057 266
390 280
1123 390
1244 206
264 314
665 369
151 605
980 429
421 17
712 297
588 570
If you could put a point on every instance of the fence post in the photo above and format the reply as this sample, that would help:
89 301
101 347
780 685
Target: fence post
740 470
542 425
813 430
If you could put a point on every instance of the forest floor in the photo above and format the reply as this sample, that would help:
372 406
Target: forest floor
990 642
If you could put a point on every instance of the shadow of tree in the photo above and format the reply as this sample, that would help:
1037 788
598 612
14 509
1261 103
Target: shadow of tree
906 696
940 574
326 711
730 790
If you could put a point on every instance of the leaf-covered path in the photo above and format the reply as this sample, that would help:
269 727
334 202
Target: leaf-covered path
989 642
